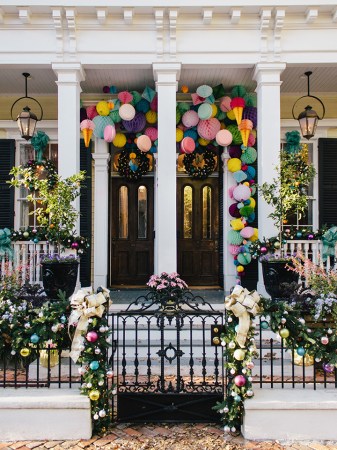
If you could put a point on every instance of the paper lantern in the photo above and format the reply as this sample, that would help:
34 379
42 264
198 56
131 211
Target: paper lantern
235 151
234 237
251 140
237 224
136 98
239 176
125 97
144 143
241 192
225 104
224 138
109 133
214 110
152 133
135 125
234 210
187 145
250 112
91 111
249 155
244 258
251 172
151 116
204 91
208 129
190 118
103 108
119 140
100 123
205 111
237 138
191 133
183 107
247 232
179 135
234 249
114 115
143 106
154 104
234 164
203 142
127 111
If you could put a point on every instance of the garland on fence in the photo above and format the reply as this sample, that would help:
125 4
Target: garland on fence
300 333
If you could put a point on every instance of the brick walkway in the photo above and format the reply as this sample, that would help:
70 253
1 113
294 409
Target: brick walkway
165 437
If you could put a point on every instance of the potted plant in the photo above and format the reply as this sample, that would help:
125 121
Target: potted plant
54 211
288 195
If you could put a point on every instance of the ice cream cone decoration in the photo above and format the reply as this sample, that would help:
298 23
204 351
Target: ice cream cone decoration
245 127
87 128
237 105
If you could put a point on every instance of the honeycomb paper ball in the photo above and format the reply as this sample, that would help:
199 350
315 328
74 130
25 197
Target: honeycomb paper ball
208 129
136 98
220 115
103 108
120 140
250 113
127 111
249 155
252 203
214 110
179 135
114 115
234 237
187 145
152 133
142 106
204 91
136 124
235 151
125 97
241 192
255 236
251 217
151 116
234 164
251 173
251 140
231 115
237 138
234 249
109 133
191 133
224 138
205 111
246 211
239 176
178 116
154 103
237 224
247 232
190 118
183 107
100 123
144 143
234 210
91 111
244 258
203 142
225 104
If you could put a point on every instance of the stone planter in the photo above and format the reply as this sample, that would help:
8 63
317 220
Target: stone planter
59 276
274 274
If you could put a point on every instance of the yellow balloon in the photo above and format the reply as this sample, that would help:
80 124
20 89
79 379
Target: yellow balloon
94 395
103 108
179 135
231 115
203 141
151 116
240 269
214 110
252 202
255 236
25 352
234 164
237 224
120 140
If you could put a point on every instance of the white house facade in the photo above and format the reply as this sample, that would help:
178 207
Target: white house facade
73 49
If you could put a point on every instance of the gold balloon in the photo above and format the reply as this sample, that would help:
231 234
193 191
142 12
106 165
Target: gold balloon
25 352
94 395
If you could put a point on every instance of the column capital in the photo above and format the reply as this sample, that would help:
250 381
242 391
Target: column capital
268 73
101 159
166 74
71 72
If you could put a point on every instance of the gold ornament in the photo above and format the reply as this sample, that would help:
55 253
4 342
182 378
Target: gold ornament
24 352
94 395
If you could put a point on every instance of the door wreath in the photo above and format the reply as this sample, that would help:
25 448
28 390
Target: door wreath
132 164
200 164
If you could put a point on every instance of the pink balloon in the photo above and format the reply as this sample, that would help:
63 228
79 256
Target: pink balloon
224 138
144 143
207 129
152 133
190 118
187 145
225 104
109 133
241 192
247 232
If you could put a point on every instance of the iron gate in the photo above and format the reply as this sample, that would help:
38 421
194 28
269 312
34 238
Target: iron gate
168 363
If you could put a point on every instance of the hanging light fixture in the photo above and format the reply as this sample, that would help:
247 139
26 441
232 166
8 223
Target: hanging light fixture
308 118
27 119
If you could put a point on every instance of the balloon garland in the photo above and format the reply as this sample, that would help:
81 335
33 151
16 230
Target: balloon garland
200 165
132 164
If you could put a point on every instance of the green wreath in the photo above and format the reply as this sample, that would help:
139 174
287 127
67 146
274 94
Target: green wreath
200 165
132 164
50 168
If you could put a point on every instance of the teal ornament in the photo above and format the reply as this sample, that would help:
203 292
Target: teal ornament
113 90
251 217
220 115
210 99
219 91
251 173
300 351
244 258
239 91
264 324
234 237
239 176
191 133
149 94
35 240
94 365
237 398
249 155
299 234
143 106
133 166
117 105
34 339
236 328
63 319
240 205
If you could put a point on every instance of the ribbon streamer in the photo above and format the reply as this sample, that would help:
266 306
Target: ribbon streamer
243 304
85 304
329 240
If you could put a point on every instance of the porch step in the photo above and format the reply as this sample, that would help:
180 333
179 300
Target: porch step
291 414
44 414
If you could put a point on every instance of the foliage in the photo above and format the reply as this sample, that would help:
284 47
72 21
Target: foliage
56 211
167 284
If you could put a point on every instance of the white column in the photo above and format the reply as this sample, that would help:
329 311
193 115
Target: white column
101 217
166 76
267 76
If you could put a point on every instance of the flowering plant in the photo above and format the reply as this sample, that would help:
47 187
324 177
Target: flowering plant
55 257
167 284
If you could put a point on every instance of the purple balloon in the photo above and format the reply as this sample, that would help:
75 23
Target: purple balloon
235 151
250 113
234 211
135 125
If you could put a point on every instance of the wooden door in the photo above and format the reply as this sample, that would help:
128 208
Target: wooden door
131 232
198 231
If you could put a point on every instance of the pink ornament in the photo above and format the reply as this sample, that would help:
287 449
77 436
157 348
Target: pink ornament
234 249
110 374
311 236
251 140
92 336
74 245
224 138
190 118
144 143
324 340
152 133
125 97
91 111
241 192
250 365
154 103
239 380
109 133
225 104
247 232
264 250
187 145
207 129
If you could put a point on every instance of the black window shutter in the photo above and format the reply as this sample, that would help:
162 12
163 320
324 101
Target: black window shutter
327 165
7 161
86 208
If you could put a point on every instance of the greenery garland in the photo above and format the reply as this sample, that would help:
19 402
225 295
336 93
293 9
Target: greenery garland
200 165
132 163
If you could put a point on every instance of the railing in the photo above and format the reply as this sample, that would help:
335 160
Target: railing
312 250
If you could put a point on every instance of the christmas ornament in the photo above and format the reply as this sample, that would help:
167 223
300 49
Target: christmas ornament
92 336
239 354
94 365
284 333
24 352
240 380
94 395
34 339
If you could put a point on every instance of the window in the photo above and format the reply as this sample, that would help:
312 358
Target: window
142 212
188 202
206 212
123 212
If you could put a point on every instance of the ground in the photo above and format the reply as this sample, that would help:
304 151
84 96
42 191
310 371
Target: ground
165 437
